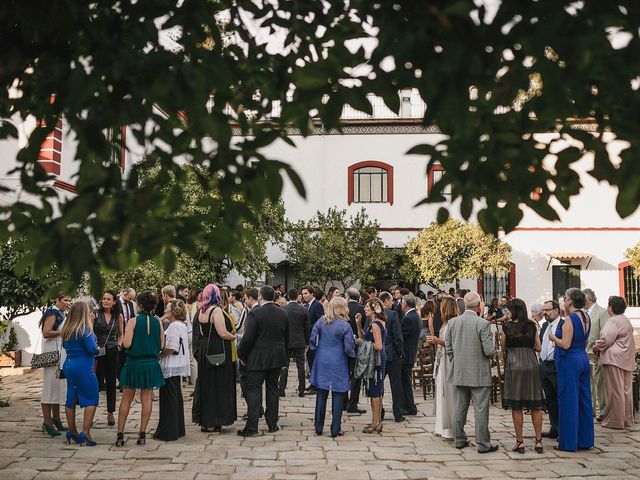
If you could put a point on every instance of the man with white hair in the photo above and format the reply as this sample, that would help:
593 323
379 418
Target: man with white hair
537 312
598 317
470 347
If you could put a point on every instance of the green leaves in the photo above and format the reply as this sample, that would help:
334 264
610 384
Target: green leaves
489 86
443 253
333 247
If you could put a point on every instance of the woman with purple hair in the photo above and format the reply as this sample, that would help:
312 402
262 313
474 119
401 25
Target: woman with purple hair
214 333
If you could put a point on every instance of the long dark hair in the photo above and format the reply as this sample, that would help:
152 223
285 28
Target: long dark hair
115 310
518 310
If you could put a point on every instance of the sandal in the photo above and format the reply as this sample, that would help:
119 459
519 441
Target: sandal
369 428
519 446
539 449
120 439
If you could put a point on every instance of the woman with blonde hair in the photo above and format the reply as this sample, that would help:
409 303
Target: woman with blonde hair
332 338
174 362
81 346
444 390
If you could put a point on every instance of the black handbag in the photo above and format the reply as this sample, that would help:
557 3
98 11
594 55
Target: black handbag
214 359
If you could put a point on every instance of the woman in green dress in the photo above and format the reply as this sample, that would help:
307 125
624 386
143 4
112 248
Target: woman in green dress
143 339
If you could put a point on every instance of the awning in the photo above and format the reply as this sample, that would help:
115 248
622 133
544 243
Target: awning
568 256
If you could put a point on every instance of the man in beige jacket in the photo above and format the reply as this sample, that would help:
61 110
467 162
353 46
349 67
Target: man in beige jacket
598 317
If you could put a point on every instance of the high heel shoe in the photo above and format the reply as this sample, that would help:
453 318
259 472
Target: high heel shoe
519 446
59 426
72 436
120 439
378 429
142 438
50 430
369 428
84 440
539 449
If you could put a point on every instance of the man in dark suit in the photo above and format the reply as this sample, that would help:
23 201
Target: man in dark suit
298 341
411 326
315 311
351 406
264 352
394 347
398 296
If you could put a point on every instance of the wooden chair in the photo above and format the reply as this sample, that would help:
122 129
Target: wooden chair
497 379
422 373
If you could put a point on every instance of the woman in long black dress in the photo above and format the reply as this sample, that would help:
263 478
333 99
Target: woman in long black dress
522 385
216 402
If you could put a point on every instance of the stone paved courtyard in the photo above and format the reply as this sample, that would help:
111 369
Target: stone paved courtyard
407 450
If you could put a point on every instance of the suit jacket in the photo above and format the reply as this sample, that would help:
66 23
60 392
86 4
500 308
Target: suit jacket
355 307
469 345
315 310
598 316
394 343
266 337
411 326
397 307
298 325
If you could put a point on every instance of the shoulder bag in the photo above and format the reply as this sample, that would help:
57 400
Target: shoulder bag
45 359
214 359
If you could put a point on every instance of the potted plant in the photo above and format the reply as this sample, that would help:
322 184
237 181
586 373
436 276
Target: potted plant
9 356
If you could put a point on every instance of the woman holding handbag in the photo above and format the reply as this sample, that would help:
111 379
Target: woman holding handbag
108 327
216 355
144 338
54 389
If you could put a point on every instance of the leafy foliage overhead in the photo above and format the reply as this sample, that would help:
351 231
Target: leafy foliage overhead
333 247
490 79
444 253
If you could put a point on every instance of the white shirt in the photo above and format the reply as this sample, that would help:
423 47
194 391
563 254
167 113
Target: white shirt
548 347
177 339
590 309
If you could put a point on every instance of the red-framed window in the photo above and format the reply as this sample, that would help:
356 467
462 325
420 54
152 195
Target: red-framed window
50 156
629 284
497 284
434 174
370 182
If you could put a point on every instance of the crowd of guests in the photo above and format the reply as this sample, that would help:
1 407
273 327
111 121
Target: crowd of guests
218 337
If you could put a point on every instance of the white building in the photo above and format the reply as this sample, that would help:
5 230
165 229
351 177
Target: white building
367 166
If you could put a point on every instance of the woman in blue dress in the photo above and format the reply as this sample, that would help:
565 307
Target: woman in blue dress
375 333
79 342
332 338
575 414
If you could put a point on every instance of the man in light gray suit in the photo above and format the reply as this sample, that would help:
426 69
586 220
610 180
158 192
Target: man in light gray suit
470 347
598 316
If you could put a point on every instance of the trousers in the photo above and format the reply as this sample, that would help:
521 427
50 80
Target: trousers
462 397
549 380
337 400
298 356
254 381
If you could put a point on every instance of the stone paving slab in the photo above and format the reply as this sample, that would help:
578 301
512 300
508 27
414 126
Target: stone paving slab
406 450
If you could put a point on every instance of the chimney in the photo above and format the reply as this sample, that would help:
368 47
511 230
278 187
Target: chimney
405 103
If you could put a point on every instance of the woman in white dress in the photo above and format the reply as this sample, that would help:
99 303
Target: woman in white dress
54 390
444 390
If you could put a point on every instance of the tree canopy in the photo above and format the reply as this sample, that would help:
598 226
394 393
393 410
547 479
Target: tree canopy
492 75
331 247
633 254
445 253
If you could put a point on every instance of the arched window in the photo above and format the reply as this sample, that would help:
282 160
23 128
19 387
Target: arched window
370 182
629 284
